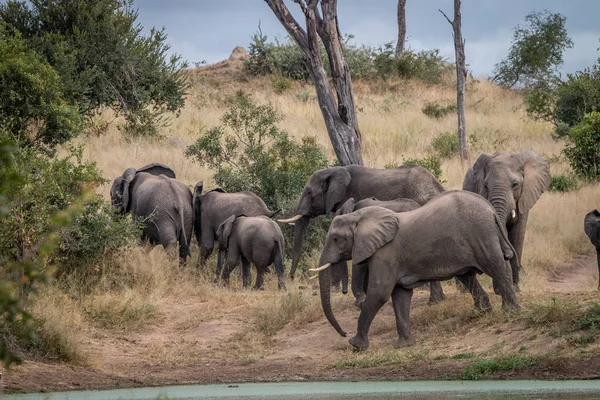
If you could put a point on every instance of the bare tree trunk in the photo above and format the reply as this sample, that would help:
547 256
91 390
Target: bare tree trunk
461 77
339 115
401 28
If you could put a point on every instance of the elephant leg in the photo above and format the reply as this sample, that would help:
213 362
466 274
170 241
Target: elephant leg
598 260
500 272
220 257
359 278
436 293
229 267
207 242
401 299
344 277
280 269
246 276
258 285
460 286
378 295
516 236
480 297
336 274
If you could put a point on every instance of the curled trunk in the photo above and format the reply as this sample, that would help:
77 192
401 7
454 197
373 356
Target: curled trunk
325 289
299 232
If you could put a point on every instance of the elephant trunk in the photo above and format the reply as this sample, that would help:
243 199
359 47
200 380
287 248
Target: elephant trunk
325 289
299 232
503 203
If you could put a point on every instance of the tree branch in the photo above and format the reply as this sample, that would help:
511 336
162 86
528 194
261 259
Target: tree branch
448 19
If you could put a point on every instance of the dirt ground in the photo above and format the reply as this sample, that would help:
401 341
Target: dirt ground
179 349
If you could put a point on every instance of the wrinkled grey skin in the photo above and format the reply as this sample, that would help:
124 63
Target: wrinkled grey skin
340 270
456 234
510 182
329 188
591 226
213 208
152 193
253 240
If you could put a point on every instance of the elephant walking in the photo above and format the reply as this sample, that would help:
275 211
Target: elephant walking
328 189
253 240
340 270
456 234
213 208
512 183
153 194
591 226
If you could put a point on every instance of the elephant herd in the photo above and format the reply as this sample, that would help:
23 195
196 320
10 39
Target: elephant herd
399 227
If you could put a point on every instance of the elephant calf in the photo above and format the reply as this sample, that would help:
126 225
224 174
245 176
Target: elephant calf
256 240
457 233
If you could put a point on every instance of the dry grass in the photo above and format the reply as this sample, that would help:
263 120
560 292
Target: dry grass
138 285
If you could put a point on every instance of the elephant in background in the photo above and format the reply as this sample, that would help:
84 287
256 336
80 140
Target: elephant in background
340 270
512 183
253 240
591 226
457 234
153 194
328 189
213 208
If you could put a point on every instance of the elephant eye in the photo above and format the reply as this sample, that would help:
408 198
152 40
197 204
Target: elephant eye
515 185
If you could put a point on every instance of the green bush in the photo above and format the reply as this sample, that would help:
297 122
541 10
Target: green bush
426 65
446 144
437 110
578 95
280 84
583 147
102 55
33 108
562 183
249 152
432 164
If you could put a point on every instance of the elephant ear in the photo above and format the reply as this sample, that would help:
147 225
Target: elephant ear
590 226
536 179
196 207
347 207
375 227
335 186
475 177
127 177
157 169
224 231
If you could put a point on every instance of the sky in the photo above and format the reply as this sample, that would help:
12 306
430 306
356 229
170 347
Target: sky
208 30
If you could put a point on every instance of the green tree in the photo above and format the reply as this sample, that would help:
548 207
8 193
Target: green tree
32 102
583 147
536 52
102 57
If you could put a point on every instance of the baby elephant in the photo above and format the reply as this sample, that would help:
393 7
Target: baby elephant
256 240
457 233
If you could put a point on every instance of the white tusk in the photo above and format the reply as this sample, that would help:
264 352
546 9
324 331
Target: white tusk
291 224
321 268
290 220
514 214
313 277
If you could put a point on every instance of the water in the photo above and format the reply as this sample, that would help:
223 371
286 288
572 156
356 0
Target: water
344 390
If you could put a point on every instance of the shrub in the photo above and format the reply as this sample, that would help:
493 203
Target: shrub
446 144
562 183
101 54
583 147
426 65
436 110
33 108
249 152
280 84
432 164
578 95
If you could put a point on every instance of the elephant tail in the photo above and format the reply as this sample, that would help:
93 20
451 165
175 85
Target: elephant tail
274 213
508 250
184 241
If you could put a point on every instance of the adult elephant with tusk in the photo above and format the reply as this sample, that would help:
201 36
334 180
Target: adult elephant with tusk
512 183
457 234
328 189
